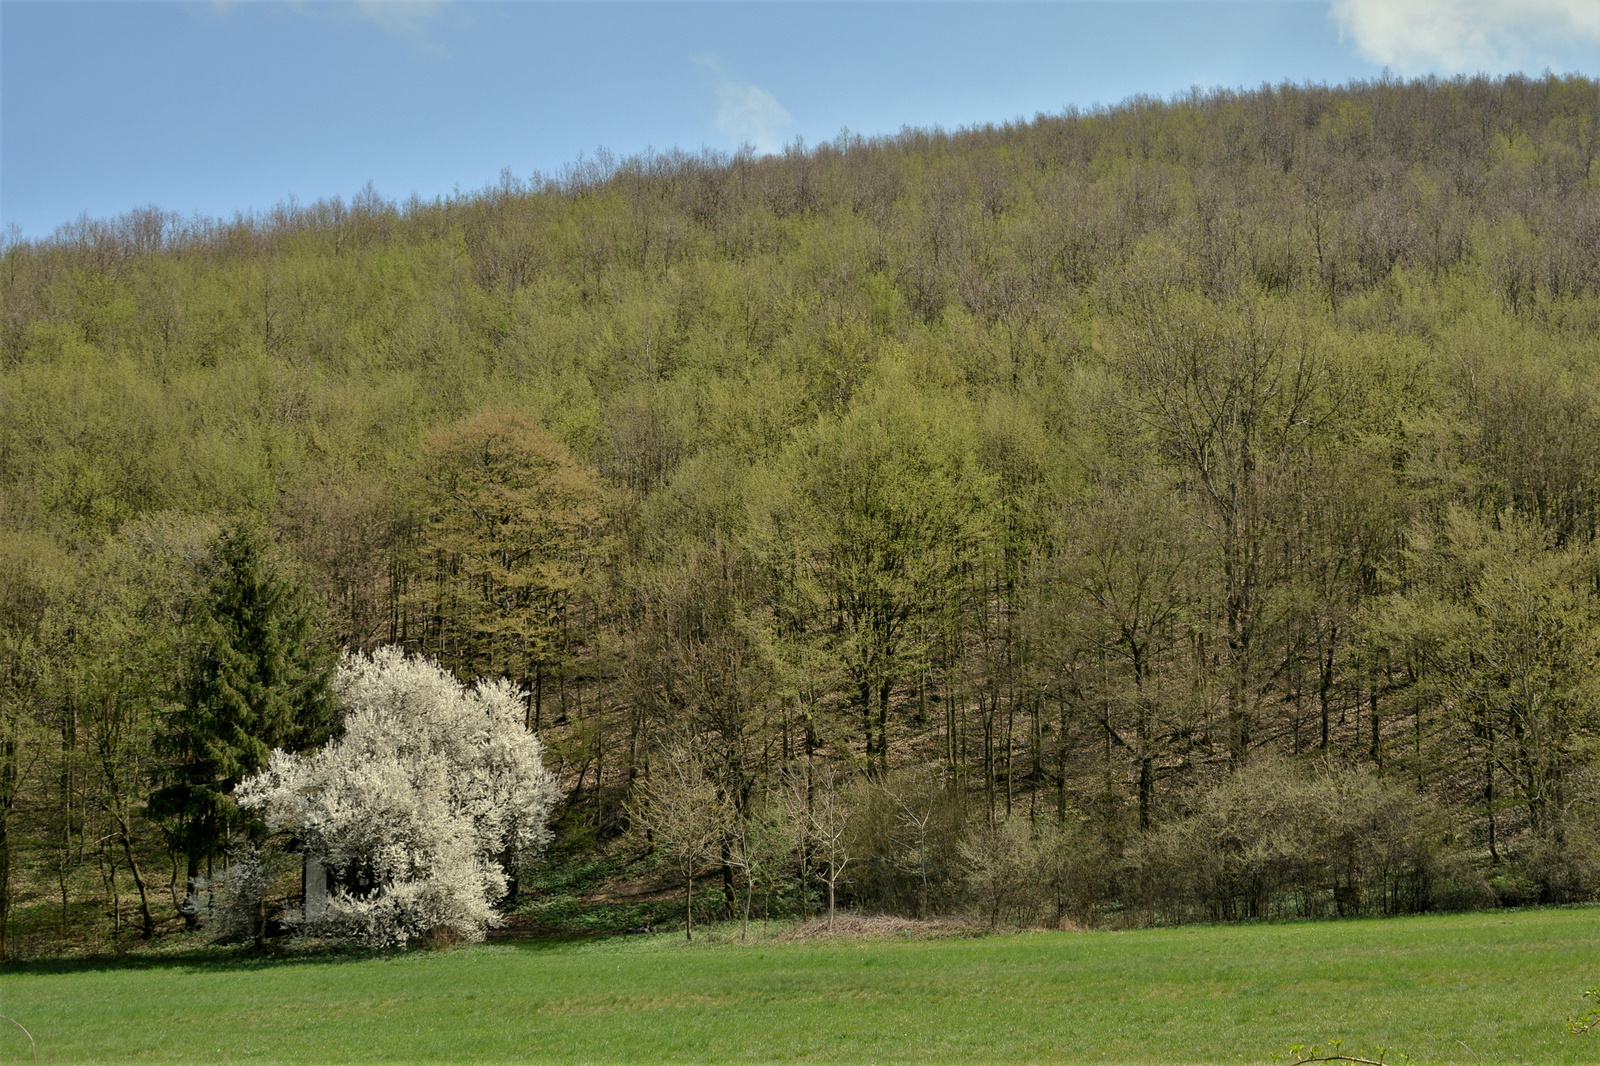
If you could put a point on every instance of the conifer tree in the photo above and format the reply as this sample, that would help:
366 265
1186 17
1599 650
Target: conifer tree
255 677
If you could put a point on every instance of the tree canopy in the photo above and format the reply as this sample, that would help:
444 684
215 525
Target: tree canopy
1087 472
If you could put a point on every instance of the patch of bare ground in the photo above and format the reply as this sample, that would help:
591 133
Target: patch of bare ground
636 890
527 927
849 926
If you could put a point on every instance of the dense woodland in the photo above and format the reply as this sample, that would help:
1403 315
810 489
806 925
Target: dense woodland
1188 507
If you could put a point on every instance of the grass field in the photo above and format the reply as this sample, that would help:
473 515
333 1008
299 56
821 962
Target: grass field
1503 983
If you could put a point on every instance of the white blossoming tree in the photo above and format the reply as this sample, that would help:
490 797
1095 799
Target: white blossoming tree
413 810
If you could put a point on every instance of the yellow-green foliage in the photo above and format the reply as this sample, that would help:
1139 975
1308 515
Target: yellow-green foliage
1083 457
681 303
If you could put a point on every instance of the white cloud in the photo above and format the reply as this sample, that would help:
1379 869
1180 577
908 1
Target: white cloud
411 19
1467 36
747 113
405 18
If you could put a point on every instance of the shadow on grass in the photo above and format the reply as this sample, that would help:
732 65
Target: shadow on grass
232 959
549 914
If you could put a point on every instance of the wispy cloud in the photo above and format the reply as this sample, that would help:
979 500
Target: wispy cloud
404 18
1450 36
411 19
746 113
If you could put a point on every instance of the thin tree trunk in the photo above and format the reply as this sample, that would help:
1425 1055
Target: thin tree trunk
116 900
749 894
1061 760
1377 725
1488 802
866 718
9 783
190 908
148 930
1011 739
5 884
1146 789
883 728
1324 693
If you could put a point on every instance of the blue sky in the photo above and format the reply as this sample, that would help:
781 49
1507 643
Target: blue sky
213 108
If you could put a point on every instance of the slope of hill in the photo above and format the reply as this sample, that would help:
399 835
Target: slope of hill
1213 479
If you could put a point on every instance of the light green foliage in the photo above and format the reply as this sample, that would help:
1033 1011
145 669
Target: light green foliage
1274 842
881 512
1001 861
132 610
688 816
1074 459
507 546
1589 1019
1505 627
32 638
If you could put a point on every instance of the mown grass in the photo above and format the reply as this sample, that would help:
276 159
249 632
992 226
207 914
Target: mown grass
1502 983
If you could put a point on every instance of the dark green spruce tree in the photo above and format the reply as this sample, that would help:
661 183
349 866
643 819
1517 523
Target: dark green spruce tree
255 676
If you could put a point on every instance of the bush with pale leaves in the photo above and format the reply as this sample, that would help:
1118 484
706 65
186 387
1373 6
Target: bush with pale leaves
416 810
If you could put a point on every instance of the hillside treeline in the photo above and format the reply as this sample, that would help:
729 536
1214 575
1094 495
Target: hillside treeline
1197 495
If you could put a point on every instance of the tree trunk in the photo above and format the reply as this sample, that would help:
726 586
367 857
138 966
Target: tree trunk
986 713
1377 726
749 894
508 865
1324 693
1011 739
8 794
883 728
148 925
191 901
5 884
730 899
1061 760
1488 802
1146 789
866 718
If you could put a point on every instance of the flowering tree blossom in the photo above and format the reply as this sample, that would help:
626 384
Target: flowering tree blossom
413 810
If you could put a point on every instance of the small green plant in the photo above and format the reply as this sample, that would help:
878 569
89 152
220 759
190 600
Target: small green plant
1590 1019
1300 1055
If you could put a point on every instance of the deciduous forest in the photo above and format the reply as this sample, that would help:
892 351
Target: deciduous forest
1180 510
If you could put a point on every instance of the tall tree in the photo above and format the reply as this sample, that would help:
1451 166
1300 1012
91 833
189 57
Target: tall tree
31 599
698 665
510 534
1510 625
132 607
1235 395
256 677
1129 571
870 541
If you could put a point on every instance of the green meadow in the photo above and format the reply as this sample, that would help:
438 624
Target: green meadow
1495 985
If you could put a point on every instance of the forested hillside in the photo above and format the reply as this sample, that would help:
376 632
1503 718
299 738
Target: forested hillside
1192 502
